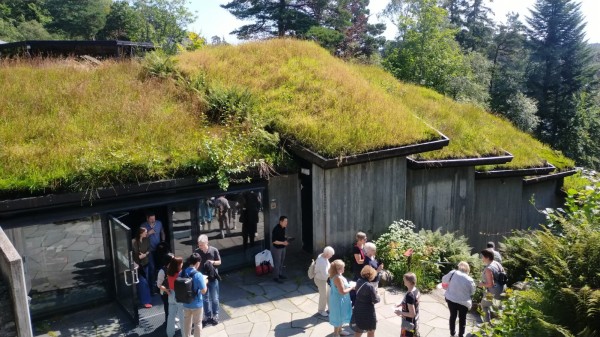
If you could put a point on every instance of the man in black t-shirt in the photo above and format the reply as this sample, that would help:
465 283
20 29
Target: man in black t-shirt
279 241
211 260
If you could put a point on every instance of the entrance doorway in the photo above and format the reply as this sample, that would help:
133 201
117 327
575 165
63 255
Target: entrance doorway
306 200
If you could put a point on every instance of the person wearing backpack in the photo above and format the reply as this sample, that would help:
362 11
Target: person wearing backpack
490 281
320 276
192 311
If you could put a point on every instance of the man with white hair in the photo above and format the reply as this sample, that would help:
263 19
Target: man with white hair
321 275
210 262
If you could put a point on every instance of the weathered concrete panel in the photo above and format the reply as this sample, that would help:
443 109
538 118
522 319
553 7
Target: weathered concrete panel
543 195
441 198
498 205
284 194
367 197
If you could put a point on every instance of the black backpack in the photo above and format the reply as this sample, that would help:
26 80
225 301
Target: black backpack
184 288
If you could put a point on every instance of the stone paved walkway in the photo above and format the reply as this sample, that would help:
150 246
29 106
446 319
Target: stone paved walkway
259 307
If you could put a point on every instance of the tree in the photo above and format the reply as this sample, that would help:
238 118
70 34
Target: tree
560 68
166 21
274 17
122 23
361 39
77 19
427 53
472 18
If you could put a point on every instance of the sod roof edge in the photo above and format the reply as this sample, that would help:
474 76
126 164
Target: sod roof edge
460 162
508 173
400 151
553 176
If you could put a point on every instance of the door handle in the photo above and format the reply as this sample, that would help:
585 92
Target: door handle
134 276
125 276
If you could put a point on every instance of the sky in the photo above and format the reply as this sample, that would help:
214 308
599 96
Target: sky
213 20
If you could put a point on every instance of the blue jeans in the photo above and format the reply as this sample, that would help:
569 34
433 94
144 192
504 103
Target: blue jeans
211 300
151 272
143 288
175 310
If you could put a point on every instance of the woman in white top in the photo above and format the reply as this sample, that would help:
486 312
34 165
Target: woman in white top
321 276
460 288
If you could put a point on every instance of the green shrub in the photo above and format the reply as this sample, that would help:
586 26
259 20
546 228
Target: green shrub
432 253
159 64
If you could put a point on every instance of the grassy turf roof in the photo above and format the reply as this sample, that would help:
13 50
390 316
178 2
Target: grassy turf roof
312 97
473 132
65 126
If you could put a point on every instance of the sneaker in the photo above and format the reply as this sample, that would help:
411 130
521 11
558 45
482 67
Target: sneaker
214 320
344 333
148 306
323 313
205 322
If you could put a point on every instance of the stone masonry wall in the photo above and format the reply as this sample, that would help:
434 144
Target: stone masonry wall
8 327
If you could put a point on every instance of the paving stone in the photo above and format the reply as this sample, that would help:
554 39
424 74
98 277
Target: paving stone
253 289
239 307
321 330
280 319
296 298
286 305
288 286
260 329
386 311
303 320
243 328
262 303
235 320
287 332
308 306
258 316
437 308
438 323
437 332
272 291
307 289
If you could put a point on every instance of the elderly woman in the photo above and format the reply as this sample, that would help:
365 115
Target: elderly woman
370 250
364 305
489 275
460 289
340 307
321 275
409 308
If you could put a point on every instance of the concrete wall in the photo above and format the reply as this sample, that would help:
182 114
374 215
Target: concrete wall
11 268
544 195
441 198
284 199
498 206
367 197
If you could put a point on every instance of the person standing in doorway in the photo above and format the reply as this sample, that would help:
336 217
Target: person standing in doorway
141 256
280 242
156 235
211 260
249 217
192 312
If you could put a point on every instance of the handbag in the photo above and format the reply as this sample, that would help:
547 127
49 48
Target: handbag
406 325
446 285
353 325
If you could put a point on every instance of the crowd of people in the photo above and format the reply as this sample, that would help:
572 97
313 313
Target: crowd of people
344 302
353 302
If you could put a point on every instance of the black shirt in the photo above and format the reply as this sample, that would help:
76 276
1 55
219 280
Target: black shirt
357 268
278 235
211 254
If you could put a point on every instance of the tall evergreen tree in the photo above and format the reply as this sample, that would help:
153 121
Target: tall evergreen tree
274 17
560 68
473 19
361 39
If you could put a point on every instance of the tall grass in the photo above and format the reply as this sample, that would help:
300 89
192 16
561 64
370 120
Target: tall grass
473 132
311 96
65 126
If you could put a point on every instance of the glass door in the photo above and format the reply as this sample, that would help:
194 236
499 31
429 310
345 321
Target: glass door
126 276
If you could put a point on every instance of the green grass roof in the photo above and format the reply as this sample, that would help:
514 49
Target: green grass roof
312 97
473 132
67 126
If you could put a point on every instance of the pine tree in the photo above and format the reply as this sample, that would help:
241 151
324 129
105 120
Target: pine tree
274 17
560 68
472 18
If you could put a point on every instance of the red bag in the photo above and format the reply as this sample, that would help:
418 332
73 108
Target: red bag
259 270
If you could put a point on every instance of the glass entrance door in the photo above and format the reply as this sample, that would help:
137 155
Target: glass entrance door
126 276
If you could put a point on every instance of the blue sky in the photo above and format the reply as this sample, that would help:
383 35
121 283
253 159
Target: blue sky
213 20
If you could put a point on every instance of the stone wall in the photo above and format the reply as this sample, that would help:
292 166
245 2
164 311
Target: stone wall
8 328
